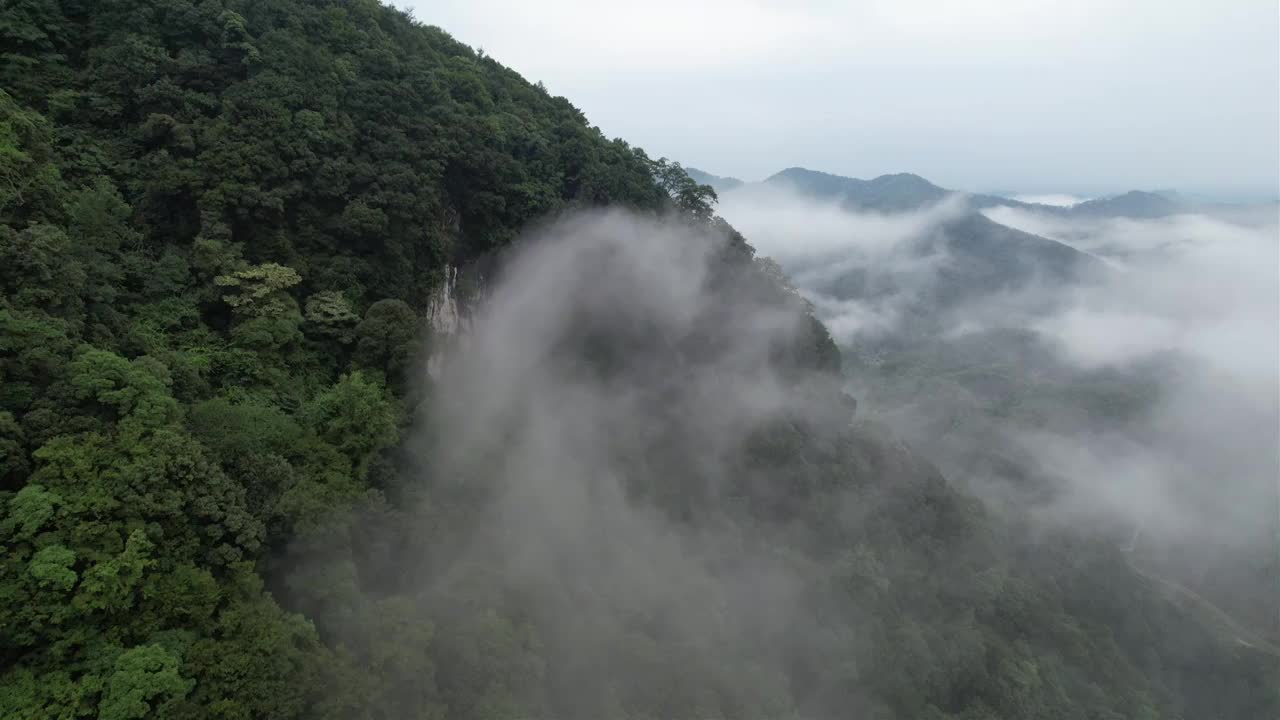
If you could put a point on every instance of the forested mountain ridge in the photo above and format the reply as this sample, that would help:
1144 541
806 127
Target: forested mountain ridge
900 192
884 193
941 253
222 224
718 183
982 259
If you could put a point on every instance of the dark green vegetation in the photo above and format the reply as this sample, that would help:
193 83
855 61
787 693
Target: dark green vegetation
968 392
222 227
1004 413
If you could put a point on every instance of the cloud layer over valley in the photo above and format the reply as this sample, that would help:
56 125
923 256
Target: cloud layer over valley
1147 397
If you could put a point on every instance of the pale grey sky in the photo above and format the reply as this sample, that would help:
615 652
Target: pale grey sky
1078 96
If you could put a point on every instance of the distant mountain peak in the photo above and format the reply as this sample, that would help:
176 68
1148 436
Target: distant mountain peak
717 182
885 193
901 176
904 180
1135 203
898 192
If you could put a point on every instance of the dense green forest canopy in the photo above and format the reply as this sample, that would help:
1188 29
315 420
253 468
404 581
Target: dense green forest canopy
224 225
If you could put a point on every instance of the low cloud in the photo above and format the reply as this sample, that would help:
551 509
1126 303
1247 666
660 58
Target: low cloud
1195 284
792 228
1055 199
821 243
595 408
1201 467
1147 401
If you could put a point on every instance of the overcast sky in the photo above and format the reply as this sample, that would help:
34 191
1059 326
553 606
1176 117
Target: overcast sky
1080 96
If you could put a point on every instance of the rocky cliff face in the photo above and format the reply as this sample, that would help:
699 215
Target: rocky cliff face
443 316
445 320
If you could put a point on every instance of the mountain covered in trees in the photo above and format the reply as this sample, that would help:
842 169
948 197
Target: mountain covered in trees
715 182
960 256
981 342
906 191
886 193
967 258
329 390
902 191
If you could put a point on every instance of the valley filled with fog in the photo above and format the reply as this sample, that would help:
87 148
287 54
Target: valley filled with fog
1135 395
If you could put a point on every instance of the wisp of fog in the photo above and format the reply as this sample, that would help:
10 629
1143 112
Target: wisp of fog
607 382
1145 400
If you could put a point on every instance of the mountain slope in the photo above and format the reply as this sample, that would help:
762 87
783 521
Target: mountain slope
937 277
223 226
886 193
989 257
720 184
1134 204
962 254
902 192
234 483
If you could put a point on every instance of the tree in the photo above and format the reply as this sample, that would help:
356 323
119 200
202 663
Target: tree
109 586
697 200
259 291
145 683
329 314
387 337
30 183
355 417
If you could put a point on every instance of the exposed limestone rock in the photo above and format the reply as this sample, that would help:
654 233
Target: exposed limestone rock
445 321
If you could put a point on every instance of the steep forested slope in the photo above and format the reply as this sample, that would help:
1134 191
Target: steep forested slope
222 222
230 490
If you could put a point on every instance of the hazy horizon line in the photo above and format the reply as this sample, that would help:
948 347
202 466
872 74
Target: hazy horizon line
1237 196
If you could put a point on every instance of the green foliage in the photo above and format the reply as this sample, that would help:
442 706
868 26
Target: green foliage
387 337
685 191
29 178
254 663
259 291
30 509
330 315
176 178
137 390
52 568
38 270
109 585
355 417
145 683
